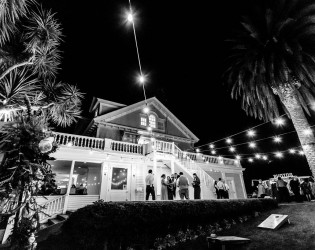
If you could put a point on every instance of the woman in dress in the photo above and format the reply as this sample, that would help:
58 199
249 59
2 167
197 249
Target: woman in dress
170 186
164 195
306 187
261 189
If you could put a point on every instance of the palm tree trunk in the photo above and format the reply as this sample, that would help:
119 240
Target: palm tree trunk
290 101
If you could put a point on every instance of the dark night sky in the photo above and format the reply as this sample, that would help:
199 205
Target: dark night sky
182 46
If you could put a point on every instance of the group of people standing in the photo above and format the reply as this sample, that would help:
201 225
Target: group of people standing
169 185
285 191
221 189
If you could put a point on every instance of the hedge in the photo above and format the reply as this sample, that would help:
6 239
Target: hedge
117 224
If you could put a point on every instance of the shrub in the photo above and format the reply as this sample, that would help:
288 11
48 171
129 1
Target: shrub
121 224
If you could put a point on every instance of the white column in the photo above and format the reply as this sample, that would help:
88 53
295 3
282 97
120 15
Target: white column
104 177
68 188
155 171
172 166
243 185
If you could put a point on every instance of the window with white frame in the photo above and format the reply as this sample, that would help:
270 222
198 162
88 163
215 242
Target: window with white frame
143 121
152 121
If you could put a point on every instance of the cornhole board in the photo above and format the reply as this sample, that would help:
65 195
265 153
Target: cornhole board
274 221
224 241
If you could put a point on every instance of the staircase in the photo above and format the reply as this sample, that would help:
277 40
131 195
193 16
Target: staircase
186 163
51 226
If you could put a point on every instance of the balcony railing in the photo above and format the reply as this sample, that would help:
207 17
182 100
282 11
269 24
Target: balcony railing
97 143
171 148
132 148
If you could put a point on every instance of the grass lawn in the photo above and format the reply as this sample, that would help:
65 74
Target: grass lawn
299 234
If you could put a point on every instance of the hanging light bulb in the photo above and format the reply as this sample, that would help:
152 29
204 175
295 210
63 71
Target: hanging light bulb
232 149
301 152
213 152
292 151
250 160
258 156
279 154
146 109
238 157
265 157
229 140
149 128
252 145
142 79
279 121
130 17
211 146
307 131
277 139
251 133
197 150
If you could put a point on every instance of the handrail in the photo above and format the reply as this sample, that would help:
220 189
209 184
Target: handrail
52 207
97 143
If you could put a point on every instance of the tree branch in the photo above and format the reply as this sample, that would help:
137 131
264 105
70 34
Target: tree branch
28 62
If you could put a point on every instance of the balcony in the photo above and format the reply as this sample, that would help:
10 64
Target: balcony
108 145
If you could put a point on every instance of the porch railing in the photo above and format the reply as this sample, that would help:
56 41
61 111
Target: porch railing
171 148
52 207
98 143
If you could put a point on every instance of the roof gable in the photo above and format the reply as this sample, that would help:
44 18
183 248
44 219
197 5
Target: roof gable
159 108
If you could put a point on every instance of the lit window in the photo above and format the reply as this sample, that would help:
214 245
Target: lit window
152 121
143 121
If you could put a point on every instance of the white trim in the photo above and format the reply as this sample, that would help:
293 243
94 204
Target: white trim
137 106
243 185
68 188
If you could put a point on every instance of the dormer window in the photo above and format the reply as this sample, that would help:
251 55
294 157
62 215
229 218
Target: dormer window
143 121
152 121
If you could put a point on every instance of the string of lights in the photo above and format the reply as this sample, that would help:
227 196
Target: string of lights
279 121
141 77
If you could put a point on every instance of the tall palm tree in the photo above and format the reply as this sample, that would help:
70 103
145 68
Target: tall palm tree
272 64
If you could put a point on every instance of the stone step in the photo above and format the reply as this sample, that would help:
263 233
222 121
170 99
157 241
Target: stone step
54 221
63 217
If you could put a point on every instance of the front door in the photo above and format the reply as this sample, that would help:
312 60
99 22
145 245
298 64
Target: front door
119 182
231 184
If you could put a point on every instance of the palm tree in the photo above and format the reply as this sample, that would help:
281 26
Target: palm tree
31 100
272 64
29 61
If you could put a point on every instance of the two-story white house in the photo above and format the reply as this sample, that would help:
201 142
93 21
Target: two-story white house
110 155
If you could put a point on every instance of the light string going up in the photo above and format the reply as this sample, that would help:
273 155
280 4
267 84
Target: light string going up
141 78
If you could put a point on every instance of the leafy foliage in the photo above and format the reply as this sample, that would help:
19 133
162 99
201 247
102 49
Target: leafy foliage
24 170
29 63
274 47
128 223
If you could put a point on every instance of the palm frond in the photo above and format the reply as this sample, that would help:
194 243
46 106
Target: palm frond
43 31
272 48
16 85
10 12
